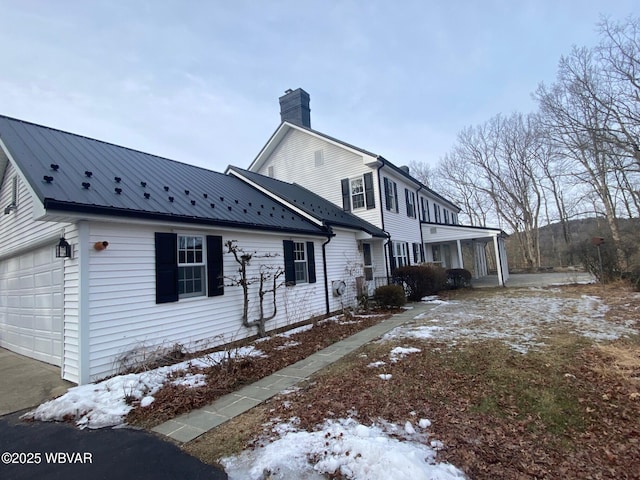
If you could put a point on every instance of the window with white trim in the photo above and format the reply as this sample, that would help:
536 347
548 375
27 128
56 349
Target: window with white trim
300 262
410 198
391 195
426 214
367 258
400 254
191 266
435 254
357 193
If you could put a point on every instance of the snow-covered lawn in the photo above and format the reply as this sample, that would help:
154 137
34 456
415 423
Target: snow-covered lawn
523 319
107 403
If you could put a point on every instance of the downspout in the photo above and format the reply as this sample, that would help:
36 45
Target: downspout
324 268
385 249
418 202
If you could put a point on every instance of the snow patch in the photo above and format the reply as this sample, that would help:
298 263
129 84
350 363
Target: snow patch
107 403
399 353
342 447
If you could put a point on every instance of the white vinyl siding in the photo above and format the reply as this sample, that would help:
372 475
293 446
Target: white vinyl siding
124 314
294 160
345 263
19 229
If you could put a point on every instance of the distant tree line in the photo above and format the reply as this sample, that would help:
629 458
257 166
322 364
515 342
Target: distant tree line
577 156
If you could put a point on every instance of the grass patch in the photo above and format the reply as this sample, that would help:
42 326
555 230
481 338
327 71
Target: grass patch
536 388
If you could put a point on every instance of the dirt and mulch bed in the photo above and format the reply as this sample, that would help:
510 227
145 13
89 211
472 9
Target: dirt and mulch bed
567 409
278 351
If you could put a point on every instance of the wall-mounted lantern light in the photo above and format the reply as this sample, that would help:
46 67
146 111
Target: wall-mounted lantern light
63 249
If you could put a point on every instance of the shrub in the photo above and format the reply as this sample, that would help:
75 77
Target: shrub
458 278
600 262
390 296
421 280
633 277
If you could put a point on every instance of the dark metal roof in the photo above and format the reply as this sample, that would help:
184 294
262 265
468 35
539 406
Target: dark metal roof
311 203
73 173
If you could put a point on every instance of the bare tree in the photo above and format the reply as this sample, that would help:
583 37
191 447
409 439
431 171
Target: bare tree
267 280
423 172
498 159
577 120
619 55
456 182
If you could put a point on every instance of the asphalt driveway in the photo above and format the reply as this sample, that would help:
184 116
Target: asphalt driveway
52 451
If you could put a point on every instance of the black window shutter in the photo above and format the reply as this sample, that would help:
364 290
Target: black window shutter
215 272
368 191
395 194
346 195
311 262
392 260
406 201
166 267
422 253
387 194
289 265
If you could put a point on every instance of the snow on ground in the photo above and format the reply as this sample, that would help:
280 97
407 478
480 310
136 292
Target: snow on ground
399 353
522 321
354 450
104 404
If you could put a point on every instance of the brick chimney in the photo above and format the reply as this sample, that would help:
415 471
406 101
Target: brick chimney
294 107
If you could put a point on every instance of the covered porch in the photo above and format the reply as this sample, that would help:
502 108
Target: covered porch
471 248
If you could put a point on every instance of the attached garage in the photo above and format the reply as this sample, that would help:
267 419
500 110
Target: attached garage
31 305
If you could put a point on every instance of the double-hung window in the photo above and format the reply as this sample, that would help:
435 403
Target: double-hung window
400 254
191 266
426 214
357 193
391 195
410 198
188 266
300 262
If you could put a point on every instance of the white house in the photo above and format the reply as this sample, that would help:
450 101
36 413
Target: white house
422 225
107 253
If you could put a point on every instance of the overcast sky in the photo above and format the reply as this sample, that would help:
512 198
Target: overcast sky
199 81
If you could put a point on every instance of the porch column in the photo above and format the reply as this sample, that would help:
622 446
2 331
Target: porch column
459 245
496 247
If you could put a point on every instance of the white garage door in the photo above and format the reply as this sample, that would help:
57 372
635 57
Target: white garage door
31 304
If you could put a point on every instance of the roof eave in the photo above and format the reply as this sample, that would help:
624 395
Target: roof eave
53 206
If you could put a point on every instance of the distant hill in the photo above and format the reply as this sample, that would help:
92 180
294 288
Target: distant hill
555 252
